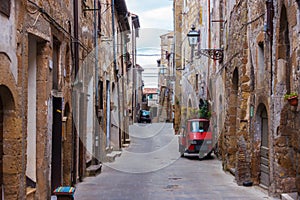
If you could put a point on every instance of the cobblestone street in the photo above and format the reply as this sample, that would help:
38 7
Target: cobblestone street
142 172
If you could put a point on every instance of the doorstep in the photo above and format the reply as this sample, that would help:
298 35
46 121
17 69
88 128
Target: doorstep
289 196
30 193
93 170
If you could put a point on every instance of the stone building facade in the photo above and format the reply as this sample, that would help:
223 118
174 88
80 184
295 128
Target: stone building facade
261 63
36 56
256 128
166 78
47 86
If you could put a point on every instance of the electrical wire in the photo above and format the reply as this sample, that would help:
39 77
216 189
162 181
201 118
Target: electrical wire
36 19
30 11
52 21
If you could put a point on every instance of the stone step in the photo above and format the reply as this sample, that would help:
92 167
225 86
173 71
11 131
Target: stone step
125 145
93 170
30 193
127 140
289 196
112 156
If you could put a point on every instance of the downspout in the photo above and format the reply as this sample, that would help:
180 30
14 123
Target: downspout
119 80
132 69
114 35
96 125
116 69
23 111
108 114
133 111
108 122
270 15
208 64
76 66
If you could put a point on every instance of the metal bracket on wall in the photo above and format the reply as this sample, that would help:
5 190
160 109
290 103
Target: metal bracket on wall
215 54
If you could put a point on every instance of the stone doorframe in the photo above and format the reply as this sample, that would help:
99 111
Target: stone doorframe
10 137
262 136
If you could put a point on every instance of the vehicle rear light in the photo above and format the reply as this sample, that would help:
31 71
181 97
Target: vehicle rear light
192 147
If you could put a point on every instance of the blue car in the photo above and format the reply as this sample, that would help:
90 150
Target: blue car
144 116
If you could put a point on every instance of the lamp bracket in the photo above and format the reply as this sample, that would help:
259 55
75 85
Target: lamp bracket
215 54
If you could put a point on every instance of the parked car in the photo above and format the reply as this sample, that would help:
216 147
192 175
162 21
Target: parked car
144 116
196 139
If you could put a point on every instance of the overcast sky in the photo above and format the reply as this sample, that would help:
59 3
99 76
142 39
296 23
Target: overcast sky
156 19
153 13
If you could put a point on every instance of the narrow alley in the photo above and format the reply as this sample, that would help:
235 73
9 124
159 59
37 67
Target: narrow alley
78 78
151 168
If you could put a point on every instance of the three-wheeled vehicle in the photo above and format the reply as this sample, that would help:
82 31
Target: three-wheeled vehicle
196 139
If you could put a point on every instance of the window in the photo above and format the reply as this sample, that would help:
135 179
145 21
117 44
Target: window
99 18
199 126
5 7
55 57
100 92
260 64
196 82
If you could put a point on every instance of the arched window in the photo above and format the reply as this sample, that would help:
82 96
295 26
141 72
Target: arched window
284 45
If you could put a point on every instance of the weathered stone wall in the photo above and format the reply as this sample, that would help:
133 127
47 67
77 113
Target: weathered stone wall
286 79
12 135
178 36
236 83
54 21
259 72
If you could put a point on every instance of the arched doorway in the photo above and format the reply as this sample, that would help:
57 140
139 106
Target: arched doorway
262 128
7 115
232 119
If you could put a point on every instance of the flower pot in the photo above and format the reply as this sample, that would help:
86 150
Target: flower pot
293 101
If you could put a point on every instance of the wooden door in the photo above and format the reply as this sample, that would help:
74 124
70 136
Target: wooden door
264 150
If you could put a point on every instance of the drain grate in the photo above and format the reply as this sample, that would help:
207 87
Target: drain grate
174 178
171 187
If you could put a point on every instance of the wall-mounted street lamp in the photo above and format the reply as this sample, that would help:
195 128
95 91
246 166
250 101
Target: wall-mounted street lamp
193 36
216 54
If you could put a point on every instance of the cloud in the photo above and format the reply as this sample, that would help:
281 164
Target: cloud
139 6
154 13
157 18
150 38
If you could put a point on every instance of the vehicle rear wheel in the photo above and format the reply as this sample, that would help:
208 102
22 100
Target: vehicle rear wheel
181 150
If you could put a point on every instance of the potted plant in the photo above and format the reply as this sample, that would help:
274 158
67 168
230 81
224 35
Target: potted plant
292 98
204 111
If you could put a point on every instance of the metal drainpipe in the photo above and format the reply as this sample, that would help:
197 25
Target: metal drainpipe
116 69
108 114
76 66
114 34
270 10
23 179
96 130
132 71
209 41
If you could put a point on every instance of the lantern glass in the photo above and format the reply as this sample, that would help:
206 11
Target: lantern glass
193 36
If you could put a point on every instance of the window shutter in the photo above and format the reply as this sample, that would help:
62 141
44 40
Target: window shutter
5 7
